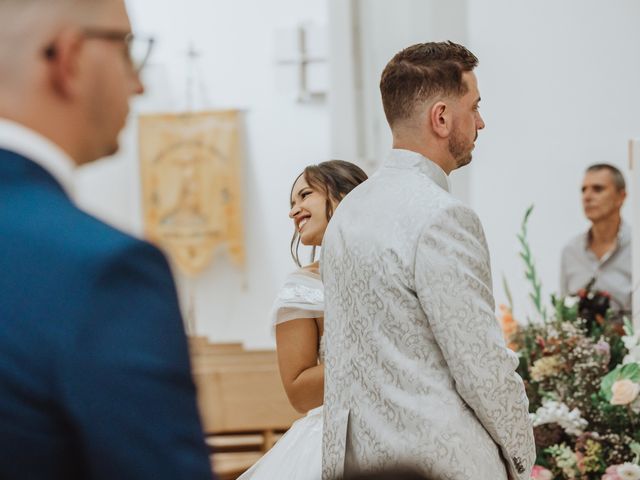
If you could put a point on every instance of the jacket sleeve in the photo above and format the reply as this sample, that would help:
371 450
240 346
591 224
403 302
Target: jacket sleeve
453 283
126 377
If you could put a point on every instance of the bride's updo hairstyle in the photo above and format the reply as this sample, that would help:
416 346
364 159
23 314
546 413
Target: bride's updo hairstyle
334 178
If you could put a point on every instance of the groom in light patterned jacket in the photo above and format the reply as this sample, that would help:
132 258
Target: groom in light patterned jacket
416 370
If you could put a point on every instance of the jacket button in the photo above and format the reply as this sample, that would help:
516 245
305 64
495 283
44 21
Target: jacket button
518 464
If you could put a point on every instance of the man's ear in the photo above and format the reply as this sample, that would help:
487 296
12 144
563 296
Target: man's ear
440 119
64 61
623 197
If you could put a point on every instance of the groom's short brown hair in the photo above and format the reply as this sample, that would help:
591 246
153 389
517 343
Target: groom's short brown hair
421 72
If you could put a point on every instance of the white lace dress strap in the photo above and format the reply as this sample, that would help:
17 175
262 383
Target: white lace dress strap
301 296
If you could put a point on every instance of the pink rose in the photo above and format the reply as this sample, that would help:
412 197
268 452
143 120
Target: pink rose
611 473
541 473
610 476
624 392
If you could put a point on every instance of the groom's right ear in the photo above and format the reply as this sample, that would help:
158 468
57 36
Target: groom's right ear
440 119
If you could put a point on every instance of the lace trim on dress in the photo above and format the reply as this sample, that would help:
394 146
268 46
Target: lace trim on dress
302 296
301 293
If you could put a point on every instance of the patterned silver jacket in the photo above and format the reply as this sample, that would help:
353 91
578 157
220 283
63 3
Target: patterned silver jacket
416 370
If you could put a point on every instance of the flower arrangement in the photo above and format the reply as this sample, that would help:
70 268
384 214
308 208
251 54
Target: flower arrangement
580 363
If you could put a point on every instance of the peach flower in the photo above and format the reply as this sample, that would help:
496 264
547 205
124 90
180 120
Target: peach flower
509 325
624 392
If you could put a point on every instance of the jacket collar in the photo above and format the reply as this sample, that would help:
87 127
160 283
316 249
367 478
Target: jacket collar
407 159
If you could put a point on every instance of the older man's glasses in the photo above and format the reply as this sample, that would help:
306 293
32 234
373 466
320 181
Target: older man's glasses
137 49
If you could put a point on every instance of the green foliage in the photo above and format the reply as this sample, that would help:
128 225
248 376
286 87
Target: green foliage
574 356
635 450
564 313
530 268
618 350
628 327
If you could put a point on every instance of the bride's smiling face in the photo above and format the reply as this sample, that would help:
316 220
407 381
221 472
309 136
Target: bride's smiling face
309 212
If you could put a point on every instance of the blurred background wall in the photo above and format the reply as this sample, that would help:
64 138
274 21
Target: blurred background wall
559 86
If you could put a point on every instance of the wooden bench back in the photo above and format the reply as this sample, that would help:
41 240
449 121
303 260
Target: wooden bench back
240 391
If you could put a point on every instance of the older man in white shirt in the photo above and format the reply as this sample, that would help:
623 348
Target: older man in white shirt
601 257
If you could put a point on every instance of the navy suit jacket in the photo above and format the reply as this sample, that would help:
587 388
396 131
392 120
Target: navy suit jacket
95 378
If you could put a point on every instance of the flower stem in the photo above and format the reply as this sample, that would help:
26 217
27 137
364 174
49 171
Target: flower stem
530 267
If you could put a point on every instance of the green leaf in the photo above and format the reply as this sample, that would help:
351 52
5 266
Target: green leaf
526 216
628 327
530 268
507 292
607 382
635 450
631 371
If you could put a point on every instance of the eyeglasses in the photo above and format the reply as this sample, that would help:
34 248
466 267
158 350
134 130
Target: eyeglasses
137 52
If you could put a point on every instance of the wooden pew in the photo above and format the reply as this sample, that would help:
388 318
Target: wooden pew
201 345
242 358
242 403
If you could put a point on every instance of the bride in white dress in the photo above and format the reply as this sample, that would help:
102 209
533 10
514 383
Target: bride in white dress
297 317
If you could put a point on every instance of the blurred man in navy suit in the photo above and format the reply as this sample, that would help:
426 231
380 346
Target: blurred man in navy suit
94 369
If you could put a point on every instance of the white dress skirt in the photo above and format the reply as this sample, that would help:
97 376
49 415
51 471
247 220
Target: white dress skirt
298 453
296 456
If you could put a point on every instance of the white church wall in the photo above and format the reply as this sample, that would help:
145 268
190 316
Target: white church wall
236 69
365 34
559 86
634 164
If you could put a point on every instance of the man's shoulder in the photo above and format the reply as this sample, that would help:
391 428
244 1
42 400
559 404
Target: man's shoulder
50 228
456 218
101 239
407 187
100 245
42 215
400 193
575 244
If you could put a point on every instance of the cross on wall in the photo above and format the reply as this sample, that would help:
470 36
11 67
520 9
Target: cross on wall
304 48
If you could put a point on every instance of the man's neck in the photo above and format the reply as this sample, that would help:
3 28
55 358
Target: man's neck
604 235
38 119
605 230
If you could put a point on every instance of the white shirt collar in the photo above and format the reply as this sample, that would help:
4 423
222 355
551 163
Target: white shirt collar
623 237
22 140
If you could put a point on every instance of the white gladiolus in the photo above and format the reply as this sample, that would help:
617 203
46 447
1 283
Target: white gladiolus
632 357
557 412
569 302
631 341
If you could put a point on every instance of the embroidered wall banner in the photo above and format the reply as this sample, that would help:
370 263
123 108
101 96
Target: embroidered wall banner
191 186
